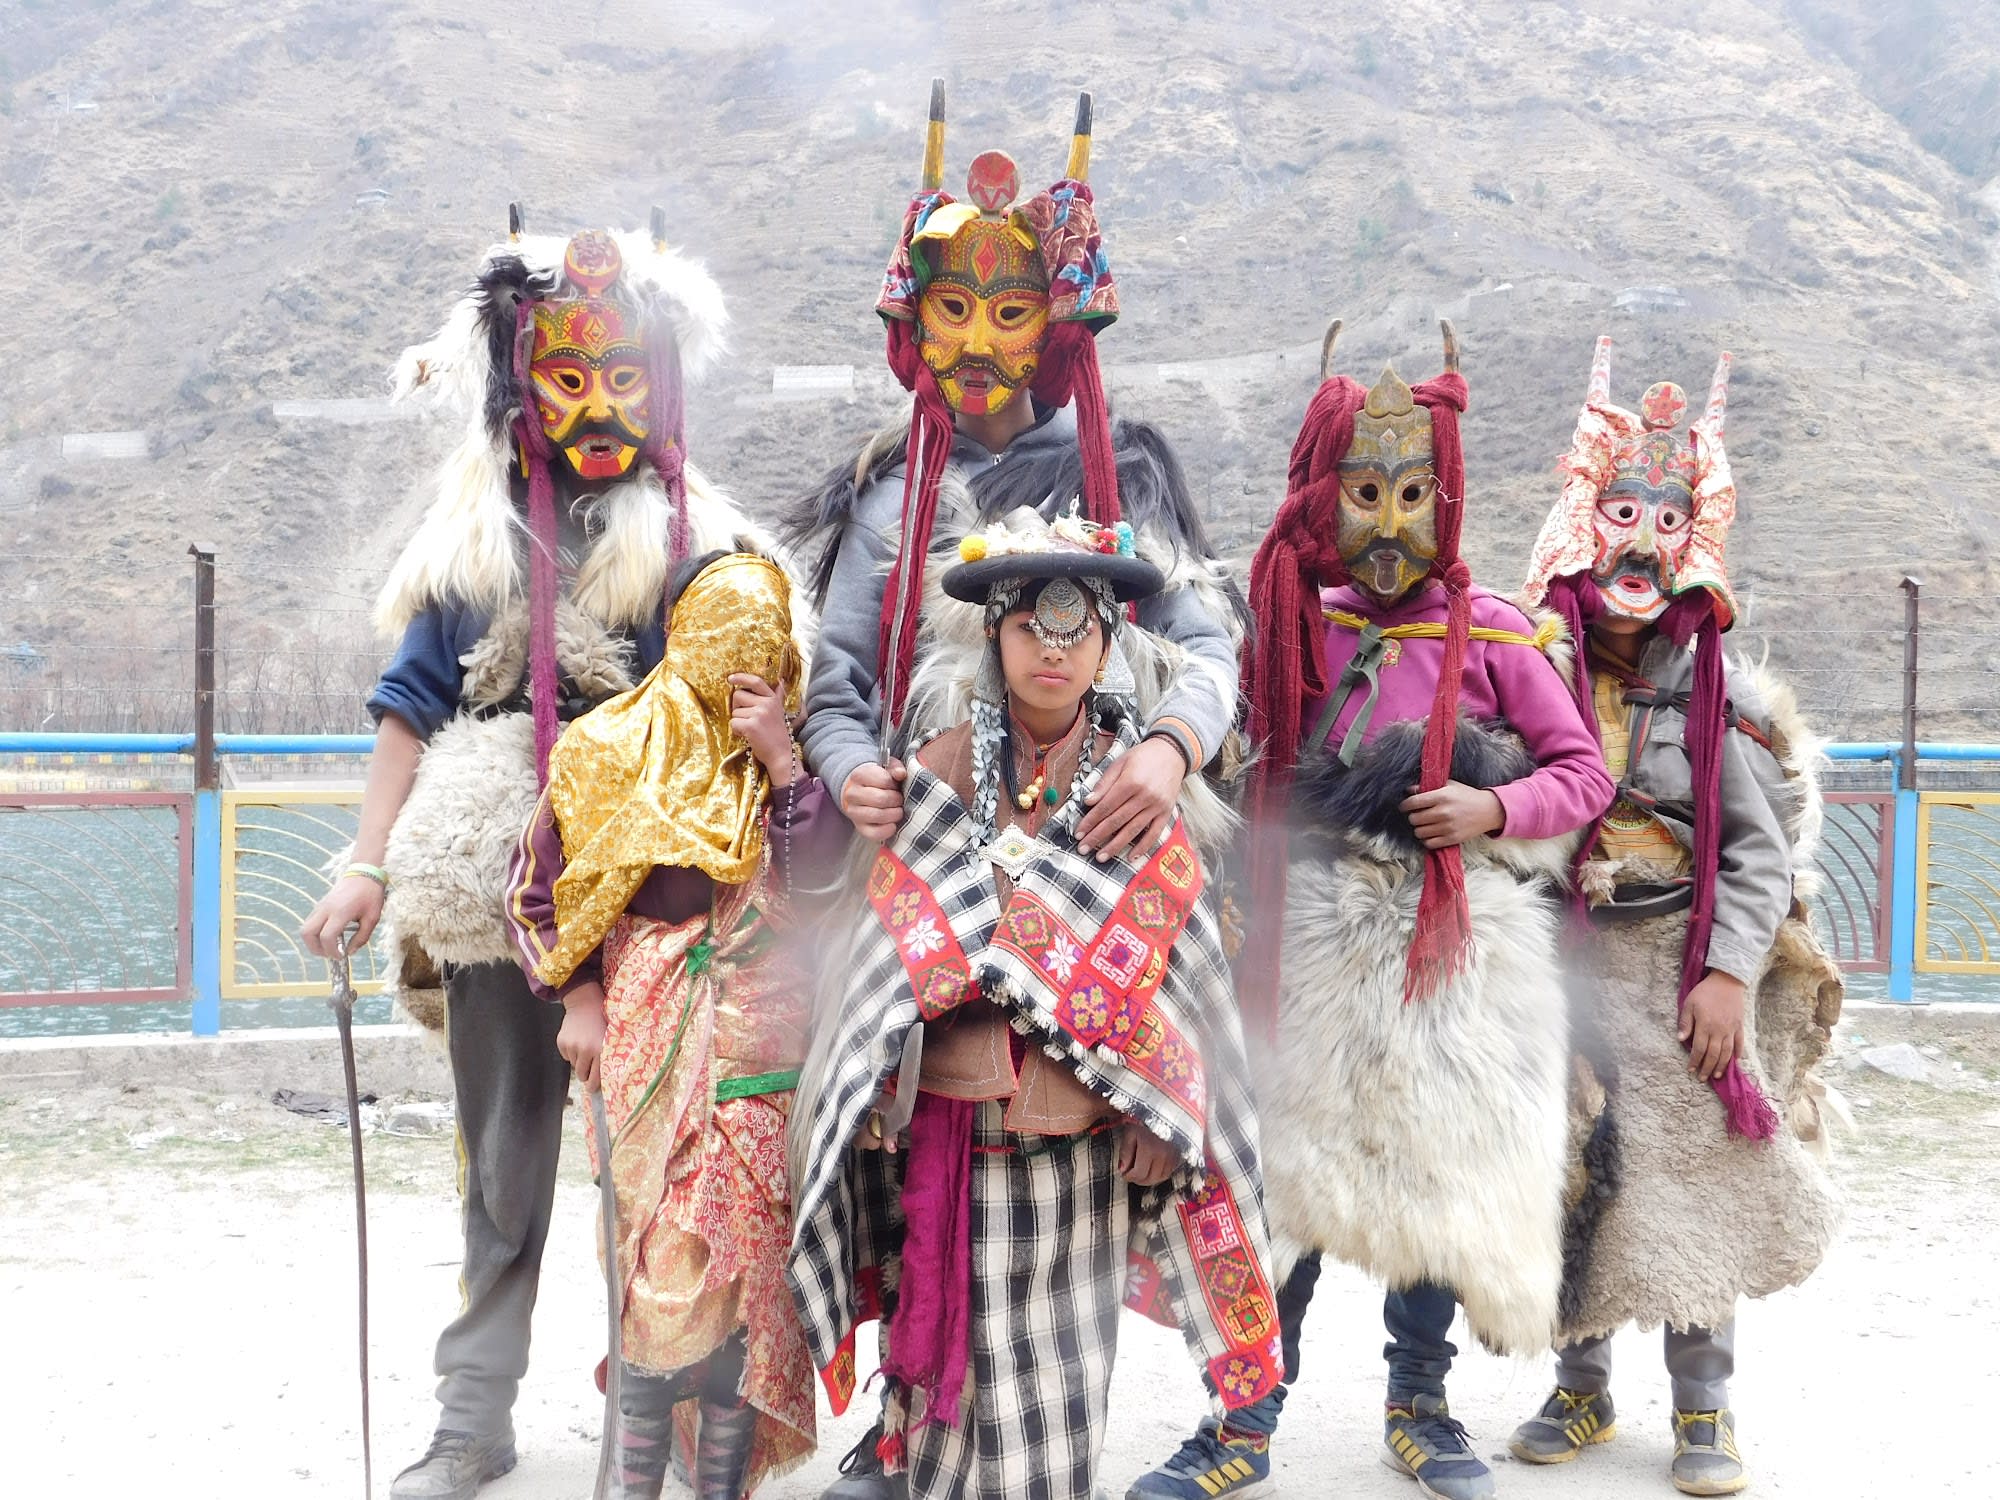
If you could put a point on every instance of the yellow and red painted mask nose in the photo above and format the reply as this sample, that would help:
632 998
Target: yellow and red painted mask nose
591 384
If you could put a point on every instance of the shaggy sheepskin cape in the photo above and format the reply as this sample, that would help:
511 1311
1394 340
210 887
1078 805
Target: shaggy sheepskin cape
1422 1141
476 788
1693 1218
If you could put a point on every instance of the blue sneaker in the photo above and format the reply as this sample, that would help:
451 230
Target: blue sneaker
1209 1465
1423 1440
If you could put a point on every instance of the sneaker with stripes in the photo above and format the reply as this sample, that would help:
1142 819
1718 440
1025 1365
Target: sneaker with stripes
1211 1464
1568 1422
1422 1439
1706 1460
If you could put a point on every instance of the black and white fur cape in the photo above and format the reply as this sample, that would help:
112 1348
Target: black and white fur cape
1423 1141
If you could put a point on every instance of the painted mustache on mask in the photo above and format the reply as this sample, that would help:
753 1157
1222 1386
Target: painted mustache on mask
967 364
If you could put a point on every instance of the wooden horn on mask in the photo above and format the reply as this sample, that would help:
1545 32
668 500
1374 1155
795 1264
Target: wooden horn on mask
1079 141
1326 350
1450 345
934 140
515 223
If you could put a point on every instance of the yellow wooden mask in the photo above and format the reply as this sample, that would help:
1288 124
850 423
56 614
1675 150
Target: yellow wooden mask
1386 531
589 369
984 311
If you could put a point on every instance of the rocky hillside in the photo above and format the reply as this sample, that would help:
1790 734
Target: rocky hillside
213 210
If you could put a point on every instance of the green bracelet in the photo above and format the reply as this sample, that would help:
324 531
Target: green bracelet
374 872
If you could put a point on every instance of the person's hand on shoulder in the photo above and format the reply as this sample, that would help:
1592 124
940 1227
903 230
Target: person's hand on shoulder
1133 802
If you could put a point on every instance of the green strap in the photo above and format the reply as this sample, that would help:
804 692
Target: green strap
1365 664
756 1083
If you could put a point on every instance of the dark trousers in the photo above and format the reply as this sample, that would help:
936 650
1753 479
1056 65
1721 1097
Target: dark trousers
511 1087
1294 1297
1419 1351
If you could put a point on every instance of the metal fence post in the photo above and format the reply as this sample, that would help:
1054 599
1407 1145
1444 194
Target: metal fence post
206 906
1903 892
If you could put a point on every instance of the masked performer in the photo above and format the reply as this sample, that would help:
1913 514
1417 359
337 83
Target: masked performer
648 894
1428 761
1059 1034
531 591
1692 883
993 307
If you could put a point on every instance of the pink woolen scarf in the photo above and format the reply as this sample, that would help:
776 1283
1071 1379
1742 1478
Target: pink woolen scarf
930 1331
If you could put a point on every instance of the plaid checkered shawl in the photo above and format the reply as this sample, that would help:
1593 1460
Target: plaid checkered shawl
1117 970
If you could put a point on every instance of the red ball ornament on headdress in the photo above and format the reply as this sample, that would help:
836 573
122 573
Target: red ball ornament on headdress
592 263
992 182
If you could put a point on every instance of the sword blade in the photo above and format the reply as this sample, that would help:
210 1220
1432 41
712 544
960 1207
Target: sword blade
614 1302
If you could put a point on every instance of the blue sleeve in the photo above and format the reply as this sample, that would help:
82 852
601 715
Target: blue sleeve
421 684
649 644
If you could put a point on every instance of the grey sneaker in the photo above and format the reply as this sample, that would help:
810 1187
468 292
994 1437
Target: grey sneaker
861 1476
1568 1422
456 1466
1705 1458
1422 1439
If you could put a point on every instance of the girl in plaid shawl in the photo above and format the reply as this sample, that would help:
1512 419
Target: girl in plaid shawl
1028 1105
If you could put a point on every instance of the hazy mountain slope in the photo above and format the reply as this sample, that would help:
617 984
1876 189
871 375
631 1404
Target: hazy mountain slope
259 206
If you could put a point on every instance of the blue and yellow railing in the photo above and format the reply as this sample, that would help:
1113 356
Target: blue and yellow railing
146 886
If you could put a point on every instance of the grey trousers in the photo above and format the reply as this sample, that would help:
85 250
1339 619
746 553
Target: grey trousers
512 1086
1699 1364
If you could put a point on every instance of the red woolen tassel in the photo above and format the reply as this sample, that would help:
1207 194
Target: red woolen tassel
923 472
1748 1112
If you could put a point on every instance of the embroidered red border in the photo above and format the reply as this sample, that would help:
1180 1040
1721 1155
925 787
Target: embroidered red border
1112 980
1238 1295
909 912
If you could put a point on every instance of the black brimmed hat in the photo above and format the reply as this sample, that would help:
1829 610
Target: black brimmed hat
1023 545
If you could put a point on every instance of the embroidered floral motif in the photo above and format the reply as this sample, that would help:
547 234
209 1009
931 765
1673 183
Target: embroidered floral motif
940 978
1061 957
922 938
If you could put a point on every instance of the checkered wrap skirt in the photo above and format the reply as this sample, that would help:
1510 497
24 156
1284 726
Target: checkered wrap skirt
1049 1223
1157 1039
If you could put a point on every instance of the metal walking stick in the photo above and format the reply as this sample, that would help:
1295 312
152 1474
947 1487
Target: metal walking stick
614 1302
342 1003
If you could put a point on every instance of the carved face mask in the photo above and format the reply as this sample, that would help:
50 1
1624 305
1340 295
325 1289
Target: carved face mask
589 369
984 311
1386 530
1644 519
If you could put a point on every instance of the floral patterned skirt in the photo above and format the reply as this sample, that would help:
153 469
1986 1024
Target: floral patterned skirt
704 1208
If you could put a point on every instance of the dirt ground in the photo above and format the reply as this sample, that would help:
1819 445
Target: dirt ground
177 1295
